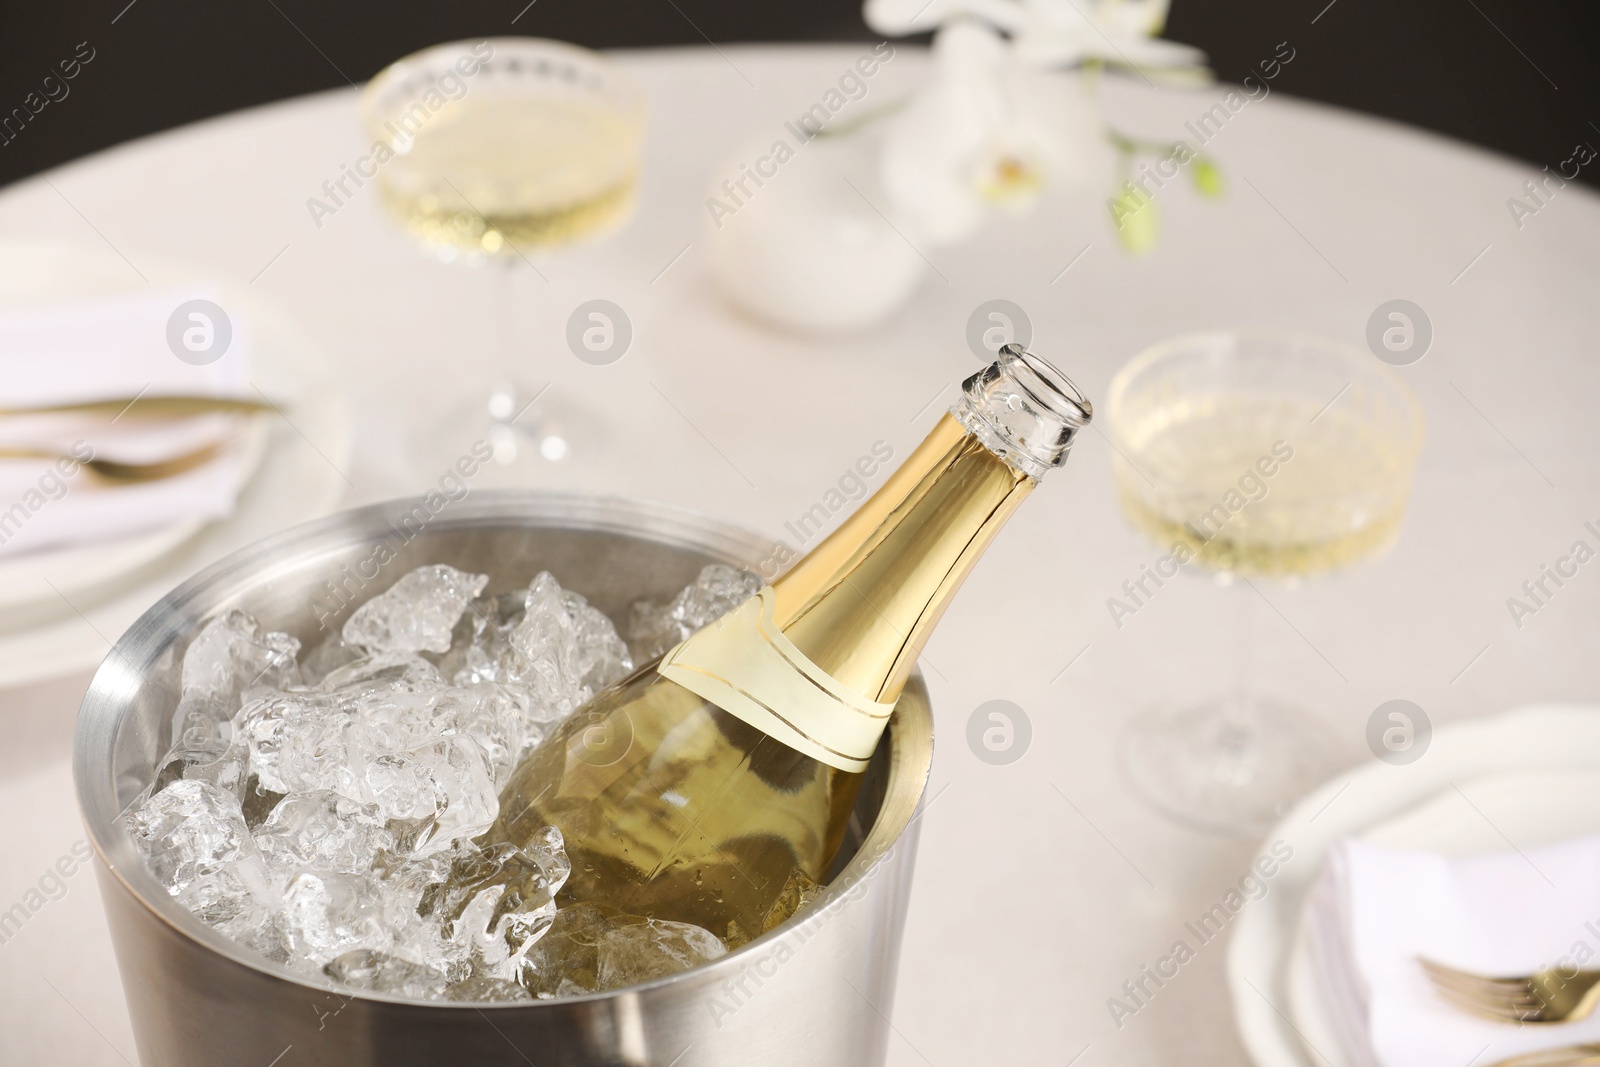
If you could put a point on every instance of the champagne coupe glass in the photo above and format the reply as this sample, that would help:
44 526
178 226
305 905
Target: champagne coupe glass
489 153
1260 458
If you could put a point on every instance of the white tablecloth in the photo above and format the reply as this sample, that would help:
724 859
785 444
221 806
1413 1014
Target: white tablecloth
1042 885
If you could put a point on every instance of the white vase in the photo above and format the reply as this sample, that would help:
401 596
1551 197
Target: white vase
806 244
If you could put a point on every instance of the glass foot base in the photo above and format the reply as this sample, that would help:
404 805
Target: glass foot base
525 428
1227 766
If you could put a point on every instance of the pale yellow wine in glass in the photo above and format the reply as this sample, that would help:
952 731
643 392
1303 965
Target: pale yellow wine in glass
506 144
501 151
1261 458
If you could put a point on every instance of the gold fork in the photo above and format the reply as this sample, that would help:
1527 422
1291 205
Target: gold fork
1570 1056
1547 996
119 472
177 406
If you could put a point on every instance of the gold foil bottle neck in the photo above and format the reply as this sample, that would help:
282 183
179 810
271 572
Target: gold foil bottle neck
858 609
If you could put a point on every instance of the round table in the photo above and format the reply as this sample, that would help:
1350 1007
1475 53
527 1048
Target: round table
1043 885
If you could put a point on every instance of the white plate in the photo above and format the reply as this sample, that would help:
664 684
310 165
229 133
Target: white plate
34 273
1531 807
1522 768
298 476
77 569
87 565
1476 815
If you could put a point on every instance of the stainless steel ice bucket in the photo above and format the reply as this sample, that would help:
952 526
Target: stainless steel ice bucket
816 991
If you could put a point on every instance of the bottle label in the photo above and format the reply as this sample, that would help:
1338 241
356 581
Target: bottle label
744 665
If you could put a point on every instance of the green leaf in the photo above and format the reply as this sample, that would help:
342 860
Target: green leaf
1207 177
1134 216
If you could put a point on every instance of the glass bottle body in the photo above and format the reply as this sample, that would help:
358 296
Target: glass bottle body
675 809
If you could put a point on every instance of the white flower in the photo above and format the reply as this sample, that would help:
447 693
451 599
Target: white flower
1056 33
987 131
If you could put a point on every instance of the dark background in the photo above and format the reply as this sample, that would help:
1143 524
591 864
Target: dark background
1520 76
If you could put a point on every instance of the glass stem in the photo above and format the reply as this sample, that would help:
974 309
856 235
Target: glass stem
505 402
505 306
1241 691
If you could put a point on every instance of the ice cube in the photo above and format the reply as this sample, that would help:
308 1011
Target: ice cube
569 988
380 972
716 590
382 673
300 742
497 717
327 914
499 901
188 831
398 720
479 646
227 661
322 831
536 874
475 939
236 894
224 766
417 613
401 880
445 784
797 894
566 959
231 655
563 649
194 839
655 948
227 771
259 929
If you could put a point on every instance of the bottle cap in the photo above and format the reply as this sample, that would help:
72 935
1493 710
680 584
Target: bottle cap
1023 410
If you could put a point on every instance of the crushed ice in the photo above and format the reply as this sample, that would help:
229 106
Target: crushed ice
313 803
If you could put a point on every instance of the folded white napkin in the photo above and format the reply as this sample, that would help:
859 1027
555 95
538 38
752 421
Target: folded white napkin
1376 910
110 348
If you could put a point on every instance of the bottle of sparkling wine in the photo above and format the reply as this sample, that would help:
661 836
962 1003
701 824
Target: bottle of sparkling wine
696 788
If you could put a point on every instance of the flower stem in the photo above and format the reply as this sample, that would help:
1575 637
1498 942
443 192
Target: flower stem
846 128
1132 145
